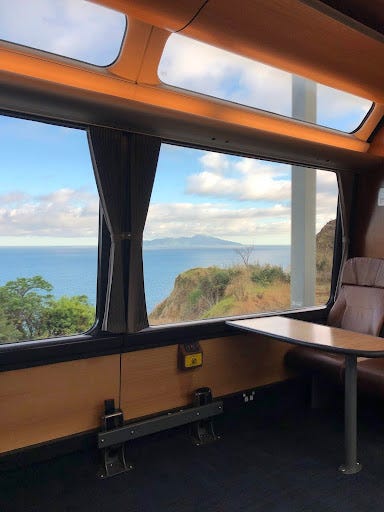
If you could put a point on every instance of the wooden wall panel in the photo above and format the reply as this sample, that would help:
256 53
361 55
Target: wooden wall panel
48 402
151 381
377 145
368 217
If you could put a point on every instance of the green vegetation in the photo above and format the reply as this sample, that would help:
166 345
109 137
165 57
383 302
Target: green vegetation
215 292
267 274
30 312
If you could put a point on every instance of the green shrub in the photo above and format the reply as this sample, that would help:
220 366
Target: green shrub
267 274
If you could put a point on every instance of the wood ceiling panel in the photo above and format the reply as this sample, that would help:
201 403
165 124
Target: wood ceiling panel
298 38
168 14
37 97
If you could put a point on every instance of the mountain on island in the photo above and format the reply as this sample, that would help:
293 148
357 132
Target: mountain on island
191 242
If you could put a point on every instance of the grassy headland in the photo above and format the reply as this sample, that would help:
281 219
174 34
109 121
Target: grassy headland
214 292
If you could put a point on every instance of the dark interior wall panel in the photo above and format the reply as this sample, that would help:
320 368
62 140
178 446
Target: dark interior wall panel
368 217
370 14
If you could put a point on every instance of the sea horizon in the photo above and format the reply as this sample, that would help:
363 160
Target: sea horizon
72 270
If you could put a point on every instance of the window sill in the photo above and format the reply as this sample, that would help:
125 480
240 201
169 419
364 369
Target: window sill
27 354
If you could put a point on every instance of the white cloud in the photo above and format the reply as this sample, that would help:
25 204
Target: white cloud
203 68
247 179
338 103
326 198
187 219
74 28
228 182
215 162
62 213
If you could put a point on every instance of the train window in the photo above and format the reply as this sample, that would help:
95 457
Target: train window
202 68
217 241
48 231
72 28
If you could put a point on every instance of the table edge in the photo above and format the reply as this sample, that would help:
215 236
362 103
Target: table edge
293 341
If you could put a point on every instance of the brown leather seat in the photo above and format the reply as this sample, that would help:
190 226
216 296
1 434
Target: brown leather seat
359 307
309 361
370 376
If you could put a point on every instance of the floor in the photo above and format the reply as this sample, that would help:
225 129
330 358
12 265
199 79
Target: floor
283 463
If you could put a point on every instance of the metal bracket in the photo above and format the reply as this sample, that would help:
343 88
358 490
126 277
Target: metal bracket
113 457
150 426
203 432
114 434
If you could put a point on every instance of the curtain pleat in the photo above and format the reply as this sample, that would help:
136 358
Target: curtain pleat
125 166
144 155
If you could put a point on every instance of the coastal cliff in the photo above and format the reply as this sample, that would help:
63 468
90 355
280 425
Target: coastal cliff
214 292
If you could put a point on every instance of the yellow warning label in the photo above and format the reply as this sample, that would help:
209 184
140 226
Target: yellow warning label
193 360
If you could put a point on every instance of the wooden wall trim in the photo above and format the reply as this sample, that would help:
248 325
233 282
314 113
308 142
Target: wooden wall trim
48 402
151 381
54 401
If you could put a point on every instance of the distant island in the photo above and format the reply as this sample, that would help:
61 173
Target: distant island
191 242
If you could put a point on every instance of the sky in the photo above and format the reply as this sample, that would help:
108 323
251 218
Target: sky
47 189
74 28
203 68
234 198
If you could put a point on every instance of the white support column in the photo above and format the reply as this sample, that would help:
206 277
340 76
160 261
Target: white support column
303 209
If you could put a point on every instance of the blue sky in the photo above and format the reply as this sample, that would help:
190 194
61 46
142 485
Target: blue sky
202 68
47 189
234 198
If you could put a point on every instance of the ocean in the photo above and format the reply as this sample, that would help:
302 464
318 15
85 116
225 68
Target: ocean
72 270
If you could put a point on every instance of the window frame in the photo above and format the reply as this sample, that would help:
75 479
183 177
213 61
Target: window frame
58 56
97 343
100 284
261 109
267 313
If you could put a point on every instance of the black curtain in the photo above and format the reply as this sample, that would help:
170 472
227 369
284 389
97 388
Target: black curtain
125 166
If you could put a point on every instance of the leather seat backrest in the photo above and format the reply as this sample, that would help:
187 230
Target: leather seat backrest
360 303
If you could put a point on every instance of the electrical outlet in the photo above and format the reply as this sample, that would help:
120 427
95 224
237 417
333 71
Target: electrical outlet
248 397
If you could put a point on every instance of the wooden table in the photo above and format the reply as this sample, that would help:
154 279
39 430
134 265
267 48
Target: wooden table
329 339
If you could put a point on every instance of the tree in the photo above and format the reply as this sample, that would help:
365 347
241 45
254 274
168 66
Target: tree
8 332
28 311
212 286
245 253
68 315
23 302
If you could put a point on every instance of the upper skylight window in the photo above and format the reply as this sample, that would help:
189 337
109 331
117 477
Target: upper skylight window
202 68
76 29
